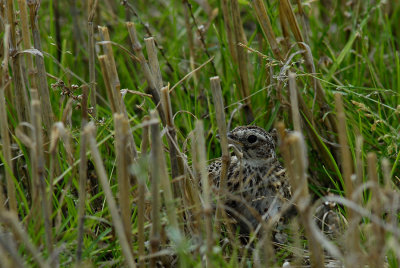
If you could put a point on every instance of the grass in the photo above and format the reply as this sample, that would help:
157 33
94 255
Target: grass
342 54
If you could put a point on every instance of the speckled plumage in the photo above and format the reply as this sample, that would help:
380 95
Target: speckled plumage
257 179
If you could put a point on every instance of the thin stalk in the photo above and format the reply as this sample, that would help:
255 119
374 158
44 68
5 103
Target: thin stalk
223 136
155 192
175 158
5 136
111 81
145 135
26 41
265 23
228 28
304 18
38 141
285 31
142 190
152 86
353 242
112 205
29 142
107 48
160 174
387 181
294 102
109 91
82 178
347 171
113 86
189 33
242 61
10 219
347 168
9 257
153 61
199 162
287 12
47 112
21 96
92 5
377 249
298 160
121 140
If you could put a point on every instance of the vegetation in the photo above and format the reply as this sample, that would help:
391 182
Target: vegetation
109 112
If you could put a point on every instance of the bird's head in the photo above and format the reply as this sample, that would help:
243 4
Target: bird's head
254 142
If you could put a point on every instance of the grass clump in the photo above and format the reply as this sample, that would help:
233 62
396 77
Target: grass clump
109 112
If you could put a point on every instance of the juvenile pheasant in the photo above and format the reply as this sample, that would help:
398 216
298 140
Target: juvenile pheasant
256 182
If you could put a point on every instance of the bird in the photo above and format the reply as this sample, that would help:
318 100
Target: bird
256 183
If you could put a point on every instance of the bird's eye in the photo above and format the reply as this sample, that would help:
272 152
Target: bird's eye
252 138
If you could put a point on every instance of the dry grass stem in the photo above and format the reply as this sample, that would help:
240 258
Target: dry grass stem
285 31
189 34
142 191
121 149
107 49
347 171
353 243
287 12
174 153
242 61
82 177
4 130
92 6
111 80
165 183
299 162
222 131
155 190
346 159
359 162
40 162
294 103
387 180
26 41
305 21
152 86
265 23
153 61
145 135
199 161
82 196
109 90
294 154
112 205
46 111
21 96
110 76
226 11
10 220
9 257
377 249
312 131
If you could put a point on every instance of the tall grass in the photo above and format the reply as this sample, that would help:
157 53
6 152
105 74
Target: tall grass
108 126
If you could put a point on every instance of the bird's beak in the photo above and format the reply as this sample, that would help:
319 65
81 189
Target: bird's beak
232 140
